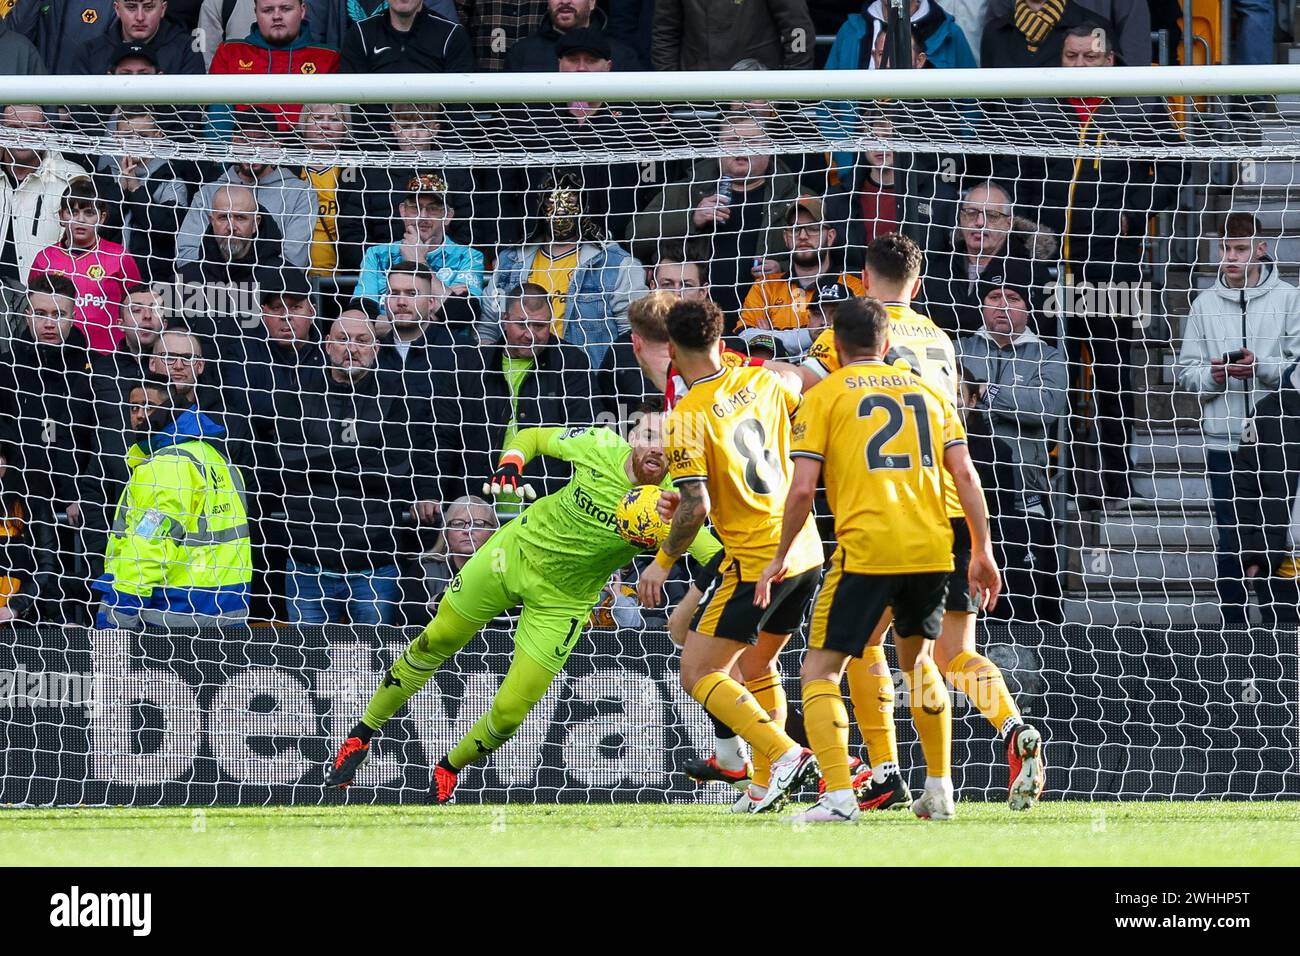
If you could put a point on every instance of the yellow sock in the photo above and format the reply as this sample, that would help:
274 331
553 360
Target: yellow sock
873 706
770 695
980 680
827 722
932 715
728 701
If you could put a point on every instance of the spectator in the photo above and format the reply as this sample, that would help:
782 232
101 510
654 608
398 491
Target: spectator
1241 334
1100 210
531 379
140 23
151 191
470 522
494 26
361 451
717 34
538 52
32 185
99 269
239 240
59 28
112 376
1033 34
673 272
632 22
1129 22
18 55
179 554
179 359
933 27
1266 487
330 20
868 201
281 42
734 203
324 126
778 305
370 197
47 433
1014 388
425 216
278 194
407 38
590 280
987 240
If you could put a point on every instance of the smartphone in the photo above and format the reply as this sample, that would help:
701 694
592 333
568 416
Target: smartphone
1234 356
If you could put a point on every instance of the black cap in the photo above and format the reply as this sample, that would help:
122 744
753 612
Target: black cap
124 51
585 39
830 291
274 282
1013 275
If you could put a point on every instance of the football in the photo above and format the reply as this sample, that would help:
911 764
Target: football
637 520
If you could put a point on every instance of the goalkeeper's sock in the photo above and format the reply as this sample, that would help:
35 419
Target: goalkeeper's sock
932 715
731 703
447 633
522 688
871 688
362 733
827 722
769 695
980 680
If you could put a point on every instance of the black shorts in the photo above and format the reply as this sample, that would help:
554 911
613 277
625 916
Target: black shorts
727 609
705 573
959 597
850 606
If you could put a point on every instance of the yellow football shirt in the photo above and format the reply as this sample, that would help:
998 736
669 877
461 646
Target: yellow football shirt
325 233
914 338
732 431
781 303
880 433
555 276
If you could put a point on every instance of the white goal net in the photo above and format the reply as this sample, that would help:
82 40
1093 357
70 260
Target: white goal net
336 313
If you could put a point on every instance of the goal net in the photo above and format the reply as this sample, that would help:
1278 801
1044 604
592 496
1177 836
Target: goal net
261 345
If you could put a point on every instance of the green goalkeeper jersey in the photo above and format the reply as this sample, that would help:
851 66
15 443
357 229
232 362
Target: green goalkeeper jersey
569 537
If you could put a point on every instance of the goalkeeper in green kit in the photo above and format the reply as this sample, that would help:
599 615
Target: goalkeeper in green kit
554 559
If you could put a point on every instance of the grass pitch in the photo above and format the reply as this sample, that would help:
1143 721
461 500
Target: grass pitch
1070 834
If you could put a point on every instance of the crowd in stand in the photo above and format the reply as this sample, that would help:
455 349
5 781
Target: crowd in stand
359 341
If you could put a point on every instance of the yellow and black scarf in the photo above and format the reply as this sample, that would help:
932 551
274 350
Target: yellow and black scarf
1037 24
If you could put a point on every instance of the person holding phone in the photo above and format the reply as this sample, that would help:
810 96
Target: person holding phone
1241 334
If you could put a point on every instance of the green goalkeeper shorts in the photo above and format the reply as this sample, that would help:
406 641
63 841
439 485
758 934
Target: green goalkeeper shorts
498 578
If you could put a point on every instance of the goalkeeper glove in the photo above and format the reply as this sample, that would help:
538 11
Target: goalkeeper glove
508 479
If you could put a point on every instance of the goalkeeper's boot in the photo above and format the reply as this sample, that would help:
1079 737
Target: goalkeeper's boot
1025 758
935 804
855 771
885 794
838 807
708 771
350 757
443 786
788 774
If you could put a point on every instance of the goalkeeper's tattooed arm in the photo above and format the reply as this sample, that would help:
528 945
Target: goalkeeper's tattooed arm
692 511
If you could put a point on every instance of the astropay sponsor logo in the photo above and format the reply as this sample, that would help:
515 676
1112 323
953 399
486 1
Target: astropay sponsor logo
78 909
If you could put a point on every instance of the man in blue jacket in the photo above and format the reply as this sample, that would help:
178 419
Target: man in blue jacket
945 43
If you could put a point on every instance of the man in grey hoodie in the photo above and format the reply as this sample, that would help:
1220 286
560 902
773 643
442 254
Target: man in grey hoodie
290 201
1240 335
1014 388
18 55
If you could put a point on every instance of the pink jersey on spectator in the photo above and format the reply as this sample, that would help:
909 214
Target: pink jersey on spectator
101 276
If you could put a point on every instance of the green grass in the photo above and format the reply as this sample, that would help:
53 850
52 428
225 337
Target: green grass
1074 834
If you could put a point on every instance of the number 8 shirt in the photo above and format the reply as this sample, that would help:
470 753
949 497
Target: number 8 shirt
732 431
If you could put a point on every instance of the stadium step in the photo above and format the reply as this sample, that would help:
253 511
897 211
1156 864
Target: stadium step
1138 608
1170 486
1148 530
1105 569
1168 449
